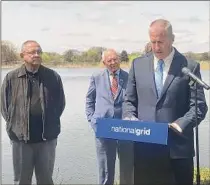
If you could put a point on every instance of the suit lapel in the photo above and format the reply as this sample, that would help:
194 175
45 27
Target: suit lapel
107 84
173 71
120 83
151 74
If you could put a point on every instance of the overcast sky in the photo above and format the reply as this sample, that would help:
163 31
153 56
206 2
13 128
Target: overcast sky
59 26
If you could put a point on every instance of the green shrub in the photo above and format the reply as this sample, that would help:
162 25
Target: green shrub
204 175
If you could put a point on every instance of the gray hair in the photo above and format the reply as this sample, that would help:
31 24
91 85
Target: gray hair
167 25
105 52
27 42
148 48
103 56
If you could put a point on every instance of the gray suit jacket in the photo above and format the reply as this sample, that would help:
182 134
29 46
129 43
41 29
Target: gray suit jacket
175 104
99 100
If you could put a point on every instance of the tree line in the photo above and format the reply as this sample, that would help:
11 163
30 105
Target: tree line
9 55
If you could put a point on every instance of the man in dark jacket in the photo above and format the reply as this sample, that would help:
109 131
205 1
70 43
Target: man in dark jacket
32 101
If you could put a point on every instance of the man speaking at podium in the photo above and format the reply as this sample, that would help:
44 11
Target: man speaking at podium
157 91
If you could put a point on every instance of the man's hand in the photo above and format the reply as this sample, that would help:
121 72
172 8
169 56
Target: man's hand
132 118
175 126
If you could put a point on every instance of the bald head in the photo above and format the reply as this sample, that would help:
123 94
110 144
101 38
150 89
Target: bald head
161 38
162 25
27 43
111 60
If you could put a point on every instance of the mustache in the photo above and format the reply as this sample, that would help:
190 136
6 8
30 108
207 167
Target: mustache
36 58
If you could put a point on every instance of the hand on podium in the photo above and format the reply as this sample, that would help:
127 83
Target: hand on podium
177 130
175 126
132 118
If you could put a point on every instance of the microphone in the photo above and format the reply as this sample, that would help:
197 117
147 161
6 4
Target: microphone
187 72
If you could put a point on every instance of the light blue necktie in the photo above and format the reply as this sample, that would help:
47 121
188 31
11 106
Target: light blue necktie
159 77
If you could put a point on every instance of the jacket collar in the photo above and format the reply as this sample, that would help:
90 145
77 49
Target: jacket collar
22 70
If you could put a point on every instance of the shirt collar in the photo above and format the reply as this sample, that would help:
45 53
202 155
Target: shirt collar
116 72
22 71
31 72
167 60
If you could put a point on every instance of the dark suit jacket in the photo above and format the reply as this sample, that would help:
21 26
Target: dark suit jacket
175 104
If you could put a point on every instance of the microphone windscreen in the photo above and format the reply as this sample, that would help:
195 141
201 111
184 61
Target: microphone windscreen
185 70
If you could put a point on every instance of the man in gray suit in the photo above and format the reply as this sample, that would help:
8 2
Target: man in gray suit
104 100
158 91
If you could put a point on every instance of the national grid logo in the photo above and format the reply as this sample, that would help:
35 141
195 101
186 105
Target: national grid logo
135 131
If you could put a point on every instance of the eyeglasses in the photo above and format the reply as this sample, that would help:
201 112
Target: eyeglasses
38 52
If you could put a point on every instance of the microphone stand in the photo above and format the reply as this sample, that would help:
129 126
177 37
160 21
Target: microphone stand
196 137
194 83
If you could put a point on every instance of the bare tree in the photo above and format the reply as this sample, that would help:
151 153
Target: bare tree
8 52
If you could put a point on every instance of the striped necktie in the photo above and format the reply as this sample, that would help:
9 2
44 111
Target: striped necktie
159 77
114 84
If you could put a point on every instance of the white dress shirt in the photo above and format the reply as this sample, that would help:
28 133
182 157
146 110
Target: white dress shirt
167 64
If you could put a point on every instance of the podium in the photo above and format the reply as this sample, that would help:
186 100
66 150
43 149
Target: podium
140 131
151 161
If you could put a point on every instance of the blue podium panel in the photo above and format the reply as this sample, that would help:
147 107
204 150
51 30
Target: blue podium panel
148 132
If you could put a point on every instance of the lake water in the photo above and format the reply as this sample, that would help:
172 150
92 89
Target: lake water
76 155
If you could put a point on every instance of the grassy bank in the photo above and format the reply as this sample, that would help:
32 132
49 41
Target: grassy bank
59 65
205 65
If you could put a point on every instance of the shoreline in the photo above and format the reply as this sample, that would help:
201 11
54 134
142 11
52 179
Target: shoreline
204 65
123 65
